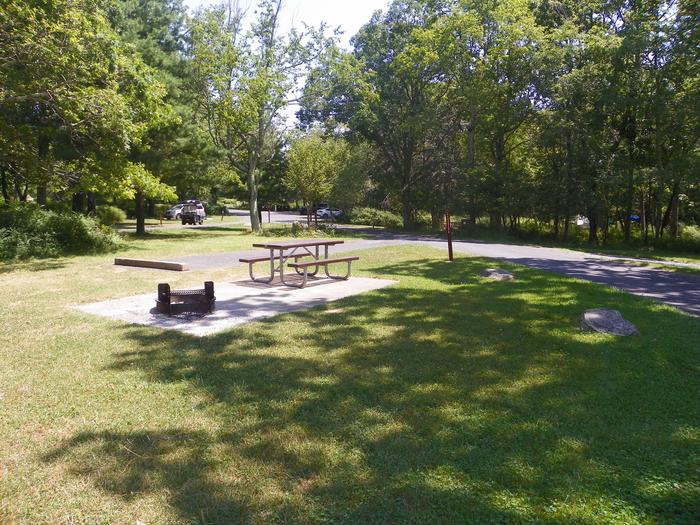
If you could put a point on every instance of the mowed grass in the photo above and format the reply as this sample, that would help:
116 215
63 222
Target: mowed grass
442 399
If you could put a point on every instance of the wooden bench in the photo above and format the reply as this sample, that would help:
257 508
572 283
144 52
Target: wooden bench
304 266
187 300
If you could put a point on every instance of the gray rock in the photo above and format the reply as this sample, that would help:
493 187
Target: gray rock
497 274
606 321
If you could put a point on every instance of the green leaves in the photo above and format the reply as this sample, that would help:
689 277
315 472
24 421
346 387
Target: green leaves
75 99
142 181
313 165
243 79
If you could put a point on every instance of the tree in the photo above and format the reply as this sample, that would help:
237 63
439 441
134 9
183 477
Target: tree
75 100
242 81
179 152
143 185
313 164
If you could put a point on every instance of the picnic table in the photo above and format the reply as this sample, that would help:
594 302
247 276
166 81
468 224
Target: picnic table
281 252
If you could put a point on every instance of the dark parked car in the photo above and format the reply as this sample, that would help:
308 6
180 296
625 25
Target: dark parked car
193 213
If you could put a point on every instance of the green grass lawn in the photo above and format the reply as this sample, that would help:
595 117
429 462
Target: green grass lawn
442 399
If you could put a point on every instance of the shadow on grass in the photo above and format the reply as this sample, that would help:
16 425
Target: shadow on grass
445 399
34 265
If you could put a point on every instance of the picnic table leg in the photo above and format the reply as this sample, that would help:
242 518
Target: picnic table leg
339 277
259 279
281 267
299 285
316 269
299 272
303 275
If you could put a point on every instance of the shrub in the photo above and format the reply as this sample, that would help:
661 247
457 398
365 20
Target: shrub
423 219
15 244
109 215
216 209
374 218
26 230
160 210
232 203
300 229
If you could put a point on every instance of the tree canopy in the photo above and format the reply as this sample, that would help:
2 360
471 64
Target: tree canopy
503 110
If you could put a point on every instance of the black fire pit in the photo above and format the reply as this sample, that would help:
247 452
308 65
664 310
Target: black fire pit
185 301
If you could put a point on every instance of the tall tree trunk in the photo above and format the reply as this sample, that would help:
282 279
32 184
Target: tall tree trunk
673 224
79 202
643 216
629 202
407 190
140 214
4 186
253 200
20 192
671 203
435 218
407 215
471 128
91 203
499 157
41 189
592 228
41 193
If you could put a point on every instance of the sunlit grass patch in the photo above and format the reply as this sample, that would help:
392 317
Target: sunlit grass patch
443 399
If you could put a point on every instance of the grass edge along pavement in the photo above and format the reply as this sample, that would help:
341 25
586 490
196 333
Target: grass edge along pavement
443 399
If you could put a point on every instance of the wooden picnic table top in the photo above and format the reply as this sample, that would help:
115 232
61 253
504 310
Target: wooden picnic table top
287 245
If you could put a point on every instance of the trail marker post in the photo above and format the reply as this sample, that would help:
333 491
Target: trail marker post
448 227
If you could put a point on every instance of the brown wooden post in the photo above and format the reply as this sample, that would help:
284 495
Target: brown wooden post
448 227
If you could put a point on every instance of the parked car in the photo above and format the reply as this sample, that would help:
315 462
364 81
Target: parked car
304 210
174 212
325 213
193 213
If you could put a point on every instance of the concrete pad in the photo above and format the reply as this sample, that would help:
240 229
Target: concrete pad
236 303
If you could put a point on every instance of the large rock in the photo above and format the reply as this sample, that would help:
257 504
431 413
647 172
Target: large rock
497 274
606 321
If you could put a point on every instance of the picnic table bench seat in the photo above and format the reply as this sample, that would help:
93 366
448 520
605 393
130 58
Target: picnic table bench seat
321 262
266 258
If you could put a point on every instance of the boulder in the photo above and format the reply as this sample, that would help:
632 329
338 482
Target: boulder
606 321
497 274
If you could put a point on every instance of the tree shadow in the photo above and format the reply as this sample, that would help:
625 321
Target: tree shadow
34 265
446 399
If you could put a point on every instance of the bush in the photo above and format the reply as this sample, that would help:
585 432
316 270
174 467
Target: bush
160 210
216 209
15 244
300 229
109 215
232 203
374 218
27 230
423 219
